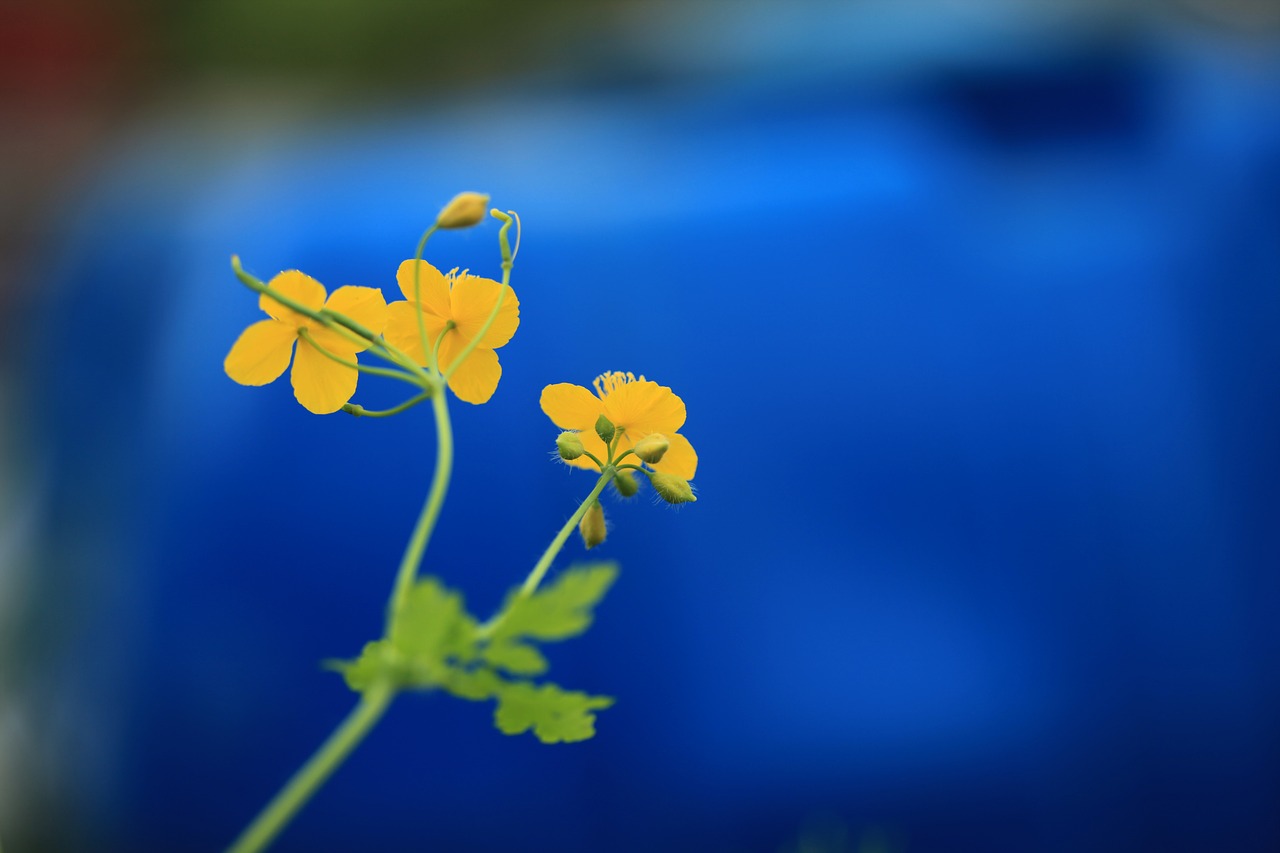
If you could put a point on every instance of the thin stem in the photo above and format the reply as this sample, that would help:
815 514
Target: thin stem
507 261
362 412
544 562
430 510
363 368
632 467
593 458
320 317
435 350
377 345
417 296
299 789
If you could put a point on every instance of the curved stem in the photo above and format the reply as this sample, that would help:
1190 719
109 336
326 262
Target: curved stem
376 344
417 295
544 562
507 261
362 412
430 510
363 368
299 789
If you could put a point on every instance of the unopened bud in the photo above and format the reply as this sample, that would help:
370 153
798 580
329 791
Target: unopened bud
569 445
605 429
465 210
672 489
652 447
592 526
625 483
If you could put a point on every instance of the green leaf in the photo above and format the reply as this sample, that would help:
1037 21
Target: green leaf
563 608
431 634
514 656
433 625
374 663
475 685
555 715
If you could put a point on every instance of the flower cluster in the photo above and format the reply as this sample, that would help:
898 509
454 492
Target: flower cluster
639 410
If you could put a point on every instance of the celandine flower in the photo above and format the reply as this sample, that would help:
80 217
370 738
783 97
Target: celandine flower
636 406
465 301
262 352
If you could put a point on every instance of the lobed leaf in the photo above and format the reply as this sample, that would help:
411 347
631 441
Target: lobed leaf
564 608
514 656
555 715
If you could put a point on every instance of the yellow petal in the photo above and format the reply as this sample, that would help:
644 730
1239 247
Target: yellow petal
679 460
300 288
476 378
471 301
401 330
365 305
571 407
434 287
261 353
644 407
320 383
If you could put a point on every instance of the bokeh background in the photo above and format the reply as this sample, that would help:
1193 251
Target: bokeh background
974 306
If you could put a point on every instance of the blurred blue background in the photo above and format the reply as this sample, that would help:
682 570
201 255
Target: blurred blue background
974 309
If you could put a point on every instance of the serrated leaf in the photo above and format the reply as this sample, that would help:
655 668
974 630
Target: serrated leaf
563 608
475 685
514 656
433 625
372 665
555 715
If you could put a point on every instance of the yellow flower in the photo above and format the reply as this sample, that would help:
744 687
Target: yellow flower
466 301
262 352
636 407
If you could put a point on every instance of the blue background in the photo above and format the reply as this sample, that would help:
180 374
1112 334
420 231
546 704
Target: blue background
981 365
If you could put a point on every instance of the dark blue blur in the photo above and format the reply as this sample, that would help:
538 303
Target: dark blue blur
983 370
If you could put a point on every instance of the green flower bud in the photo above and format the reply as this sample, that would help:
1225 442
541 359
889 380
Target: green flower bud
625 484
672 489
605 429
465 210
592 526
569 445
652 447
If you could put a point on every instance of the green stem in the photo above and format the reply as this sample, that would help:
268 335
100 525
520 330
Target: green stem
544 562
417 297
376 344
363 368
327 321
430 510
435 350
507 260
362 412
295 794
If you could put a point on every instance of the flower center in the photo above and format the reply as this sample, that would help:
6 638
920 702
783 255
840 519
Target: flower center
611 380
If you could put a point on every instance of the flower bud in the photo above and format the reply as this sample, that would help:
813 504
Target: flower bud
672 489
569 445
652 447
625 484
465 210
605 429
592 526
